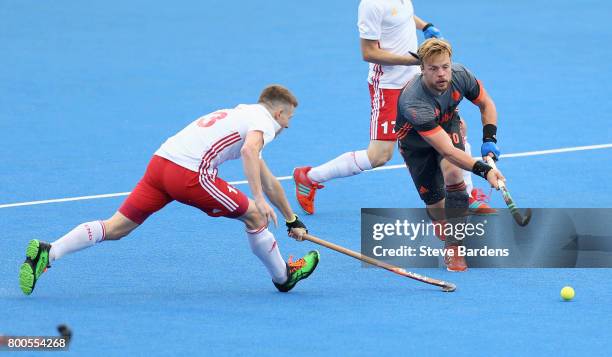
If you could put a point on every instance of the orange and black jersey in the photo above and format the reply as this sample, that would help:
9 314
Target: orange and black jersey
421 112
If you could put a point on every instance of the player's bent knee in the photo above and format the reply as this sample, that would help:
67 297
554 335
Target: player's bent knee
452 175
380 152
257 221
252 219
114 233
453 178
118 226
381 158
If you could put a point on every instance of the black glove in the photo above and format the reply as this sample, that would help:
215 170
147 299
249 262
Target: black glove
481 169
296 223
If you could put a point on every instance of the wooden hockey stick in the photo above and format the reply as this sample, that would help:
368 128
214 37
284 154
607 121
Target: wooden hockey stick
446 286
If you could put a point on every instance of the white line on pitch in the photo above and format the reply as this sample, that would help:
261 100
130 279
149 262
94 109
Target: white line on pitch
282 178
64 199
520 154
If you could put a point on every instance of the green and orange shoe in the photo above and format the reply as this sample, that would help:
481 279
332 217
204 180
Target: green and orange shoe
298 270
36 263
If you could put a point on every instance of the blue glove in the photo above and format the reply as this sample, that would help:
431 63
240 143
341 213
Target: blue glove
488 147
430 31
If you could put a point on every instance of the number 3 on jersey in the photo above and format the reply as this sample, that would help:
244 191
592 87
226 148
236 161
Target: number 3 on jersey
210 119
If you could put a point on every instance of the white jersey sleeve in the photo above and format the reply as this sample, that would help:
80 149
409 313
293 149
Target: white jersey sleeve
265 126
370 18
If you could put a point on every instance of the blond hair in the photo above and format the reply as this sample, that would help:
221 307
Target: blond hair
433 47
276 94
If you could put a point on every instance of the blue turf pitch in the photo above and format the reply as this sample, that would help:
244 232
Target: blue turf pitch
89 90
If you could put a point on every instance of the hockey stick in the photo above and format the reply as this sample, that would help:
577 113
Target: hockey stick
521 220
446 286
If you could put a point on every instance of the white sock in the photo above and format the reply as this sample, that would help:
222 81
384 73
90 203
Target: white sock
467 175
264 246
83 236
347 164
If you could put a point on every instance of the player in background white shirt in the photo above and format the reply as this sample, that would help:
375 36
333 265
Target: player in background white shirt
184 169
387 30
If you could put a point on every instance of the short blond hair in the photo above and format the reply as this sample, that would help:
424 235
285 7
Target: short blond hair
276 94
433 47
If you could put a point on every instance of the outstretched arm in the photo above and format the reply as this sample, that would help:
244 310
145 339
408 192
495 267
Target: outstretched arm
440 141
488 111
274 191
488 116
251 164
420 23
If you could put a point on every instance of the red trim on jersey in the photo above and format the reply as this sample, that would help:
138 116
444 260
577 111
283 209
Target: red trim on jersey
206 181
431 132
206 158
481 95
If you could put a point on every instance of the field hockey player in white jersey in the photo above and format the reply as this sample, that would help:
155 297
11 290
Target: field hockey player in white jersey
185 169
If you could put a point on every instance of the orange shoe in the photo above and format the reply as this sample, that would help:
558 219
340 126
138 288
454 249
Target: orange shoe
305 189
454 262
478 203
